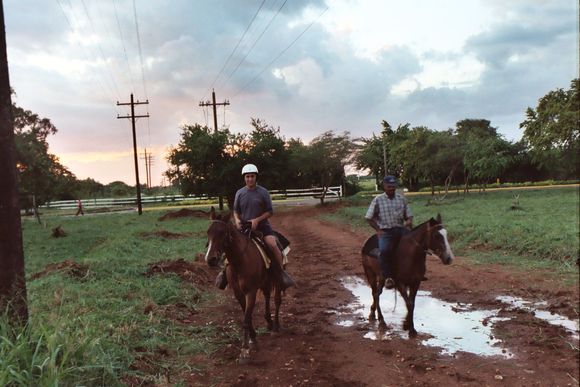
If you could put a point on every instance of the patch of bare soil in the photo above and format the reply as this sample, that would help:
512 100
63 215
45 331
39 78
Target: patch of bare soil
165 234
184 213
58 232
312 350
72 269
195 272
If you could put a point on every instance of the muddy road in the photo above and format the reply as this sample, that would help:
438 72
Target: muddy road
327 341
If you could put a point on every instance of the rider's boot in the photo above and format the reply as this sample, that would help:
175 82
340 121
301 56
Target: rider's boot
286 281
221 280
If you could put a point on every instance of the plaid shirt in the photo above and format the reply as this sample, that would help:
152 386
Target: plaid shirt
388 213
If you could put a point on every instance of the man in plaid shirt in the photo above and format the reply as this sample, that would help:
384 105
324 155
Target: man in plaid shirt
388 215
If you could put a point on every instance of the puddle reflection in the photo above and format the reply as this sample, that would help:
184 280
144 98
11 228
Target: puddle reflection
453 327
555 319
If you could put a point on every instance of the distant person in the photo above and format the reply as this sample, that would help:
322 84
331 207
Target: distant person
80 208
388 215
252 208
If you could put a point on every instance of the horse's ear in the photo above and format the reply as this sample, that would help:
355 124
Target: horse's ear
438 219
226 217
212 213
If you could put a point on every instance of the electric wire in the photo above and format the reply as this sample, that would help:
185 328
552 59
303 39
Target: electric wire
280 54
234 50
123 43
101 48
254 44
104 91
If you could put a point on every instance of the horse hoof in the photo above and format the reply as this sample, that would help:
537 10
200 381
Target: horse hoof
244 357
372 317
382 324
253 345
412 333
405 326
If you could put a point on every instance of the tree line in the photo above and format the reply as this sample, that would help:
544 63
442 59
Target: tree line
209 162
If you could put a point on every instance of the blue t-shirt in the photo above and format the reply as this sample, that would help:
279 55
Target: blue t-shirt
251 203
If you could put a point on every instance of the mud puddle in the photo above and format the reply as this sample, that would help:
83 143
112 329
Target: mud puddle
452 327
572 327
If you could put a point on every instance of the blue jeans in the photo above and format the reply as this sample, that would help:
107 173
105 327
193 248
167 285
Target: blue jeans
387 241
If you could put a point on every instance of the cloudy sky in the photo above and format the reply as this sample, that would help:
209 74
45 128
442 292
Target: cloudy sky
305 66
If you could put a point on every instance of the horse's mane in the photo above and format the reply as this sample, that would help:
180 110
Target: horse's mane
431 222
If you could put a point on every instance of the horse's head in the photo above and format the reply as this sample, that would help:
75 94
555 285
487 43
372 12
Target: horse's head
218 237
438 242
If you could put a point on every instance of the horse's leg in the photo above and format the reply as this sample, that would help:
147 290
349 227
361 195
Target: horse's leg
411 310
403 290
267 313
249 339
250 303
372 280
277 302
376 301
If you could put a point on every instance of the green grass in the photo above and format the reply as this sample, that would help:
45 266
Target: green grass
483 227
90 330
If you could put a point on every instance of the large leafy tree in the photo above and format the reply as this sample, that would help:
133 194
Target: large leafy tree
40 173
552 130
199 163
330 153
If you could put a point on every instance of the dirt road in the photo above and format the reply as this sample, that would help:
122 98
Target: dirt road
314 350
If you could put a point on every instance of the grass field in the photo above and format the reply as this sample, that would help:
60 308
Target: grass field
92 328
484 228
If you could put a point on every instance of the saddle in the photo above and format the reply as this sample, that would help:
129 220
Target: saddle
258 238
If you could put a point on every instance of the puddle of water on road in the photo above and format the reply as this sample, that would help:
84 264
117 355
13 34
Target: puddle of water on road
555 319
452 327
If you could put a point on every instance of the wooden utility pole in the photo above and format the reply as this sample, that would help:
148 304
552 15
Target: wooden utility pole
12 280
148 157
214 105
132 117
146 167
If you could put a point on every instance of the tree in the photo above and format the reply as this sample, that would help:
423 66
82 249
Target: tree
201 162
40 175
552 130
12 281
330 153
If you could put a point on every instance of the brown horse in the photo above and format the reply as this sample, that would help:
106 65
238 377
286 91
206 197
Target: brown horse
246 273
408 265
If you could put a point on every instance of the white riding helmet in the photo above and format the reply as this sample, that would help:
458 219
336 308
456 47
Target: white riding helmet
249 168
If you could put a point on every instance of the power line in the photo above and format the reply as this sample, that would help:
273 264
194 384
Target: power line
82 50
254 44
123 43
140 51
280 54
100 47
234 50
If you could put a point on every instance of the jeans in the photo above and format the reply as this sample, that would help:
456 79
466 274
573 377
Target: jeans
387 242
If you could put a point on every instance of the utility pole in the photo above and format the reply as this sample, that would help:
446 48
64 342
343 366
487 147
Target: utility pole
148 157
214 105
150 160
146 167
12 280
132 117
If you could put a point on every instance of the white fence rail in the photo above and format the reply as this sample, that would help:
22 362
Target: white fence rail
111 202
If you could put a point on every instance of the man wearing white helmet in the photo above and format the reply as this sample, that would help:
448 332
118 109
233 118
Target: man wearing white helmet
253 207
